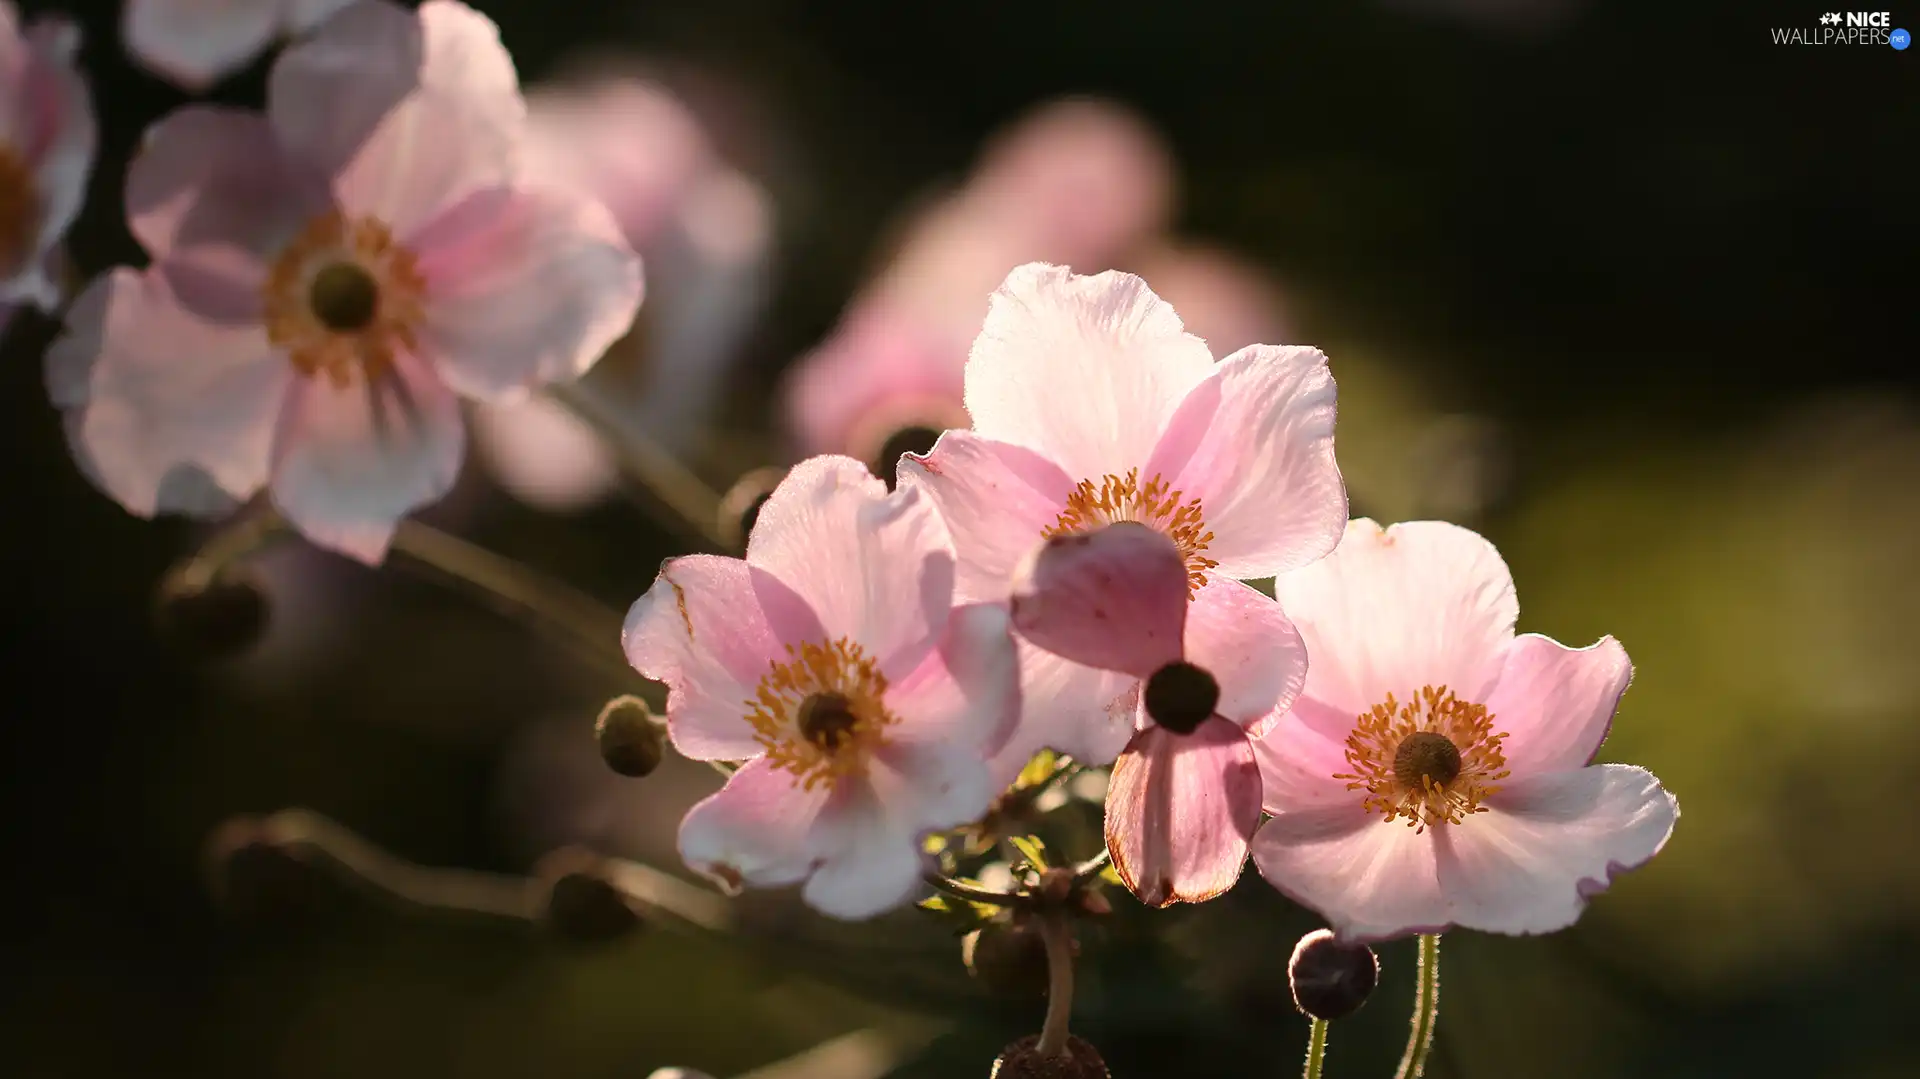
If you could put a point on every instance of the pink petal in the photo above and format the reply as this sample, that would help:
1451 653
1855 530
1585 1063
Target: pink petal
757 830
1242 638
1555 703
1085 371
194 44
1551 841
1084 712
350 461
871 859
1300 754
702 630
872 566
1254 443
997 500
966 694
47 118
1180 810
304 15
1114 599
525 287
1389 611
164 388
1369 879
210 187
408 114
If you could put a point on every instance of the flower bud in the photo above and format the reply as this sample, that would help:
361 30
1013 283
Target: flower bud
740 507
213 619
582 903
1008 959
256 877
631 739
1022 1060
1330 980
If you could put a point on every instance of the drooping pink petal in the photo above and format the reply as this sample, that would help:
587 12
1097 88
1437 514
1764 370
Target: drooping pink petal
409 114
524 287
1555 703
1299 756
997 500
872 566
350 461
148 411
1246 642
871 860
1085 371
1392 610
211 197
193 43
1369 879
1529 864
757 830
70 360
1115 598
965 695
1181 809
1254 443
46 119
703 631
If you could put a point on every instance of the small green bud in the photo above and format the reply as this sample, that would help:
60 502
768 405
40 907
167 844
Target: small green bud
583 903
631 740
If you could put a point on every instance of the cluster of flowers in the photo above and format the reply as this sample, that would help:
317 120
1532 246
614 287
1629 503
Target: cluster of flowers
329 279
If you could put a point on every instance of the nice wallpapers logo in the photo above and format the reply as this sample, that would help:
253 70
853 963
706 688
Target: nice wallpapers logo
1848 28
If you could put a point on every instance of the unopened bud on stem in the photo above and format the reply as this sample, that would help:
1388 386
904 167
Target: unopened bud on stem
631 739
582 902
212 618
1330 980
1008 958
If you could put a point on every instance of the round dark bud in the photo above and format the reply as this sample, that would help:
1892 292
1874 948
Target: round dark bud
344 297
1008 959
740 507
913 439
1425 756
1181 696
583 904
214 619
1023 1060
1330 980
257 878
631 740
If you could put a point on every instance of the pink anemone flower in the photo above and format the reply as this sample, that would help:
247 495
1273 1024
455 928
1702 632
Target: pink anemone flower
1437 770
1091 405
196 43
329 279
834 662
1209 675
48 137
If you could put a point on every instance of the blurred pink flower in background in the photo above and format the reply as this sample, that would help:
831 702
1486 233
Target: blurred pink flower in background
705 232
196 43
48 137
337 271
1224 300
1437 770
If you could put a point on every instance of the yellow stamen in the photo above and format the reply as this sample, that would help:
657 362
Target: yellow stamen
822 713
1432 760
1125 499
344 298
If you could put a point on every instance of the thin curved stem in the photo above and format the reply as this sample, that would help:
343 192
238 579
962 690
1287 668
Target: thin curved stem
1092 865
976 895
1316 1049
521 591
240 536
694 505
1057 935
1426 1010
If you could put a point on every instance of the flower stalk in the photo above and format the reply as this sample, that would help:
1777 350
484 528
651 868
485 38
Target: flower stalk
694 506
1057 934
1316 1049
1426 1010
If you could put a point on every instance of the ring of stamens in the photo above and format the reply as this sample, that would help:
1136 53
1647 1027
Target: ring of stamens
1113 498
1432 759
19 210
343 298
821 713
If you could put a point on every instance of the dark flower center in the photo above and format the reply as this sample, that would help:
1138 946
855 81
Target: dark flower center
1180 696
826 719
1426 758
344 297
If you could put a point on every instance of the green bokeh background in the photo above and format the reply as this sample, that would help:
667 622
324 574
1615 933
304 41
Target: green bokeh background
1660 270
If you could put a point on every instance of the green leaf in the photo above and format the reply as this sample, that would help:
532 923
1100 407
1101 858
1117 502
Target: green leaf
1030 848
1038 770
1111 875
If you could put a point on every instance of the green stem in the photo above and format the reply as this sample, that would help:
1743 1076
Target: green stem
1316 1049
1426 1010
1057 935
694 505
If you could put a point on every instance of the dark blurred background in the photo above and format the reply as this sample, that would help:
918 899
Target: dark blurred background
1624 285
